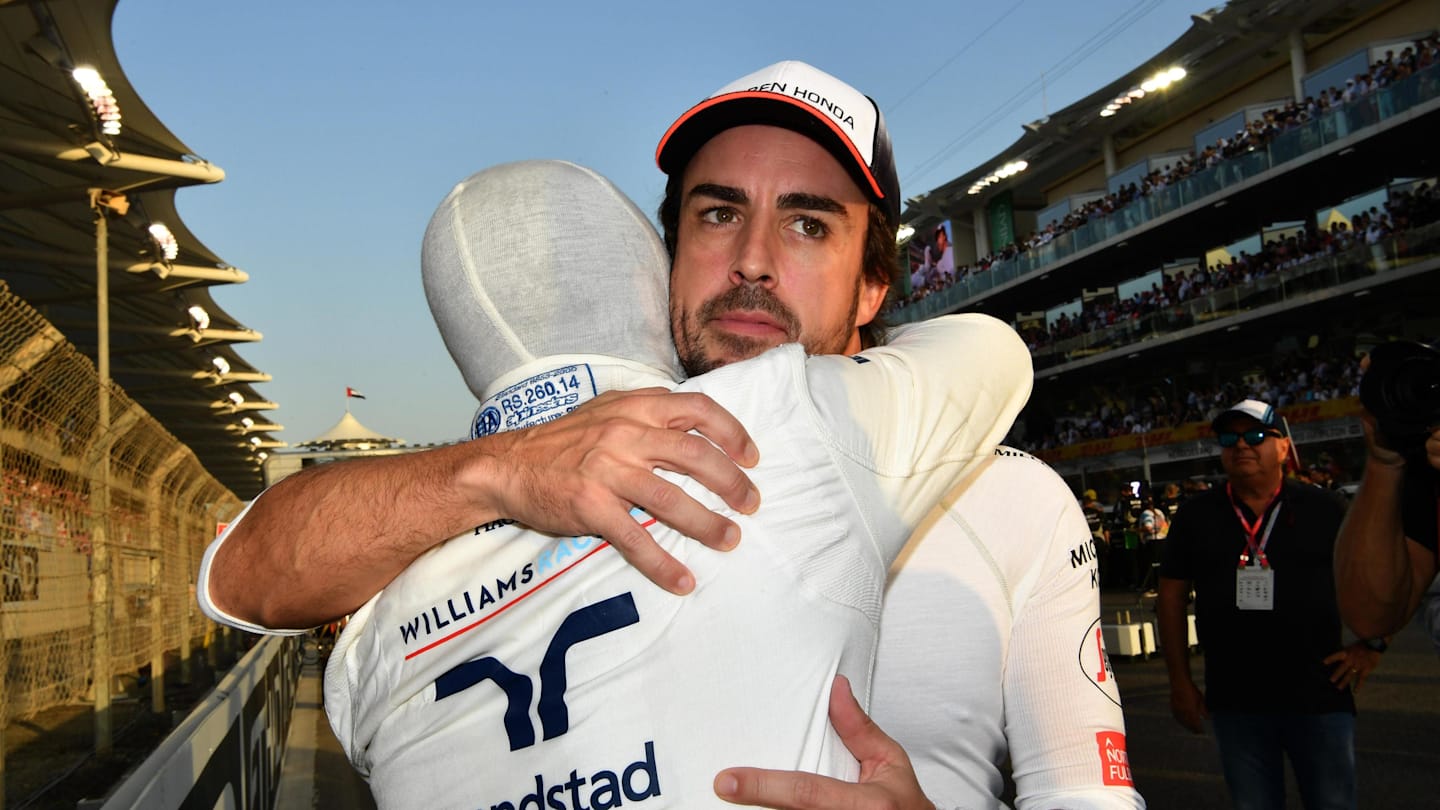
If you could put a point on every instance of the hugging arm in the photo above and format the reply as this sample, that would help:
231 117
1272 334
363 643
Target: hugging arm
319 544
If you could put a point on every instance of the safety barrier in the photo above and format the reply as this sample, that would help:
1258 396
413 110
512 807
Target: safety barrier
228 752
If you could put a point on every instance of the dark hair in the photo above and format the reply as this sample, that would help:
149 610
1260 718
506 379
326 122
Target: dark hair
881 258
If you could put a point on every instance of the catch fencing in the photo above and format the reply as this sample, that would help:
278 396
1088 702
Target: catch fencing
91 594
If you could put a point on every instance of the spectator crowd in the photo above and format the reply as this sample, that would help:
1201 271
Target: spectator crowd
1313 378
1404 210
1256 134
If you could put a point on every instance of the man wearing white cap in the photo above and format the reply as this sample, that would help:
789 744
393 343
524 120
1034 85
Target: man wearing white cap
1003 576
1278 681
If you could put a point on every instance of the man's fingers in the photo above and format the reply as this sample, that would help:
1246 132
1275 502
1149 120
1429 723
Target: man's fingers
634 542
702 414
669 504
691 455
860 734
781 790
581 475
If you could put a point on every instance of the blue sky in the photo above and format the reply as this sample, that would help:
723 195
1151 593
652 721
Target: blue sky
341 125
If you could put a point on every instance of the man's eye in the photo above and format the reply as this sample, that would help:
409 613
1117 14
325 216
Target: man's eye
718 216
809 226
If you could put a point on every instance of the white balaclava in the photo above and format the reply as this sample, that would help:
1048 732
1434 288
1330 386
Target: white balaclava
542 259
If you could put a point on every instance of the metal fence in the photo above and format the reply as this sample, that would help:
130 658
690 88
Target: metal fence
90 593
1301 281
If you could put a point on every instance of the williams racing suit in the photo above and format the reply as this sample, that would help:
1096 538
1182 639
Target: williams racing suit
510 668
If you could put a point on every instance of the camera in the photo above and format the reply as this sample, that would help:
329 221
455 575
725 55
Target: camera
1401 389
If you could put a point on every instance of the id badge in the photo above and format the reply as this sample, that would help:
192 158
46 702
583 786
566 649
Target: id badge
1255 589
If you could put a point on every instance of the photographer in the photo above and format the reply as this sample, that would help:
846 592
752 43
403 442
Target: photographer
1385 554
1125 537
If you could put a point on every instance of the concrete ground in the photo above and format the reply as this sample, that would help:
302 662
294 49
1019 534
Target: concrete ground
1397 729
316 775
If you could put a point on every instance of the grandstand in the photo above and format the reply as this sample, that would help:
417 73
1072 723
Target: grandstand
129 423
84 163
1242 214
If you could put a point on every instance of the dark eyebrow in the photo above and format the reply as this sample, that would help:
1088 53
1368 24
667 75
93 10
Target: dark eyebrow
812 202
728 194
792 200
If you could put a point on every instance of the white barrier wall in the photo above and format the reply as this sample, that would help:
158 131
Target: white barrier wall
227 754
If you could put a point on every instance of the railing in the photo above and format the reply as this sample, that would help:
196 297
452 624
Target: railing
1327 128
1360 261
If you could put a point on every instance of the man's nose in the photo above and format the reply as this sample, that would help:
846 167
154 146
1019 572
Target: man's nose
755 257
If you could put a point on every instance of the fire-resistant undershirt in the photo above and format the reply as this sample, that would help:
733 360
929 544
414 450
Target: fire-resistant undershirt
990 645
509 668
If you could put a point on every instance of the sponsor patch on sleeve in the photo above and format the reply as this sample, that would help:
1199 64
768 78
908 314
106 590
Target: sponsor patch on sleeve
1095 662
1114 762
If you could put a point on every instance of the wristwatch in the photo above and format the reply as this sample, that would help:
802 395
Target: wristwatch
1379 645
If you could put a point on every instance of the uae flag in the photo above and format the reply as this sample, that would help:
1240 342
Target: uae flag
351 392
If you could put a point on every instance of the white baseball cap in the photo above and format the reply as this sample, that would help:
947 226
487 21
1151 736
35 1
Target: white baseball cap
807 100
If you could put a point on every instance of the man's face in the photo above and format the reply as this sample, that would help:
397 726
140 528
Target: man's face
769 250
1265 461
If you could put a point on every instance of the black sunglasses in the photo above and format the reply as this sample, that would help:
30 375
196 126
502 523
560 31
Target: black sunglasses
1254 437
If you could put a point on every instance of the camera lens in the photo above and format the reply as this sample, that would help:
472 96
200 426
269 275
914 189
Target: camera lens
1402 390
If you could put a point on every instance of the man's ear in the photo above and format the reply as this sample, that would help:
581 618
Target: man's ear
871 297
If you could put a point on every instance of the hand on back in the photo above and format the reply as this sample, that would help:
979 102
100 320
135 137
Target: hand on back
583 473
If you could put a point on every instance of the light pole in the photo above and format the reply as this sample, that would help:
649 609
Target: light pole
102 202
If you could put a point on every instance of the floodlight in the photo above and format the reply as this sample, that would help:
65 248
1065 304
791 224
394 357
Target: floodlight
236 398
88 78
221 364
199 316
101 99
165 241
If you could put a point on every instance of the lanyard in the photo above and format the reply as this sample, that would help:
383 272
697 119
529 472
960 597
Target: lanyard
1253 529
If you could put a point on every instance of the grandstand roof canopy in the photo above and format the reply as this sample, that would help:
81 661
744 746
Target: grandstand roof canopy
176 361
1225 47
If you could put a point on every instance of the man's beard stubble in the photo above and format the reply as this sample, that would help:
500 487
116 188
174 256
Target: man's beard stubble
691 336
